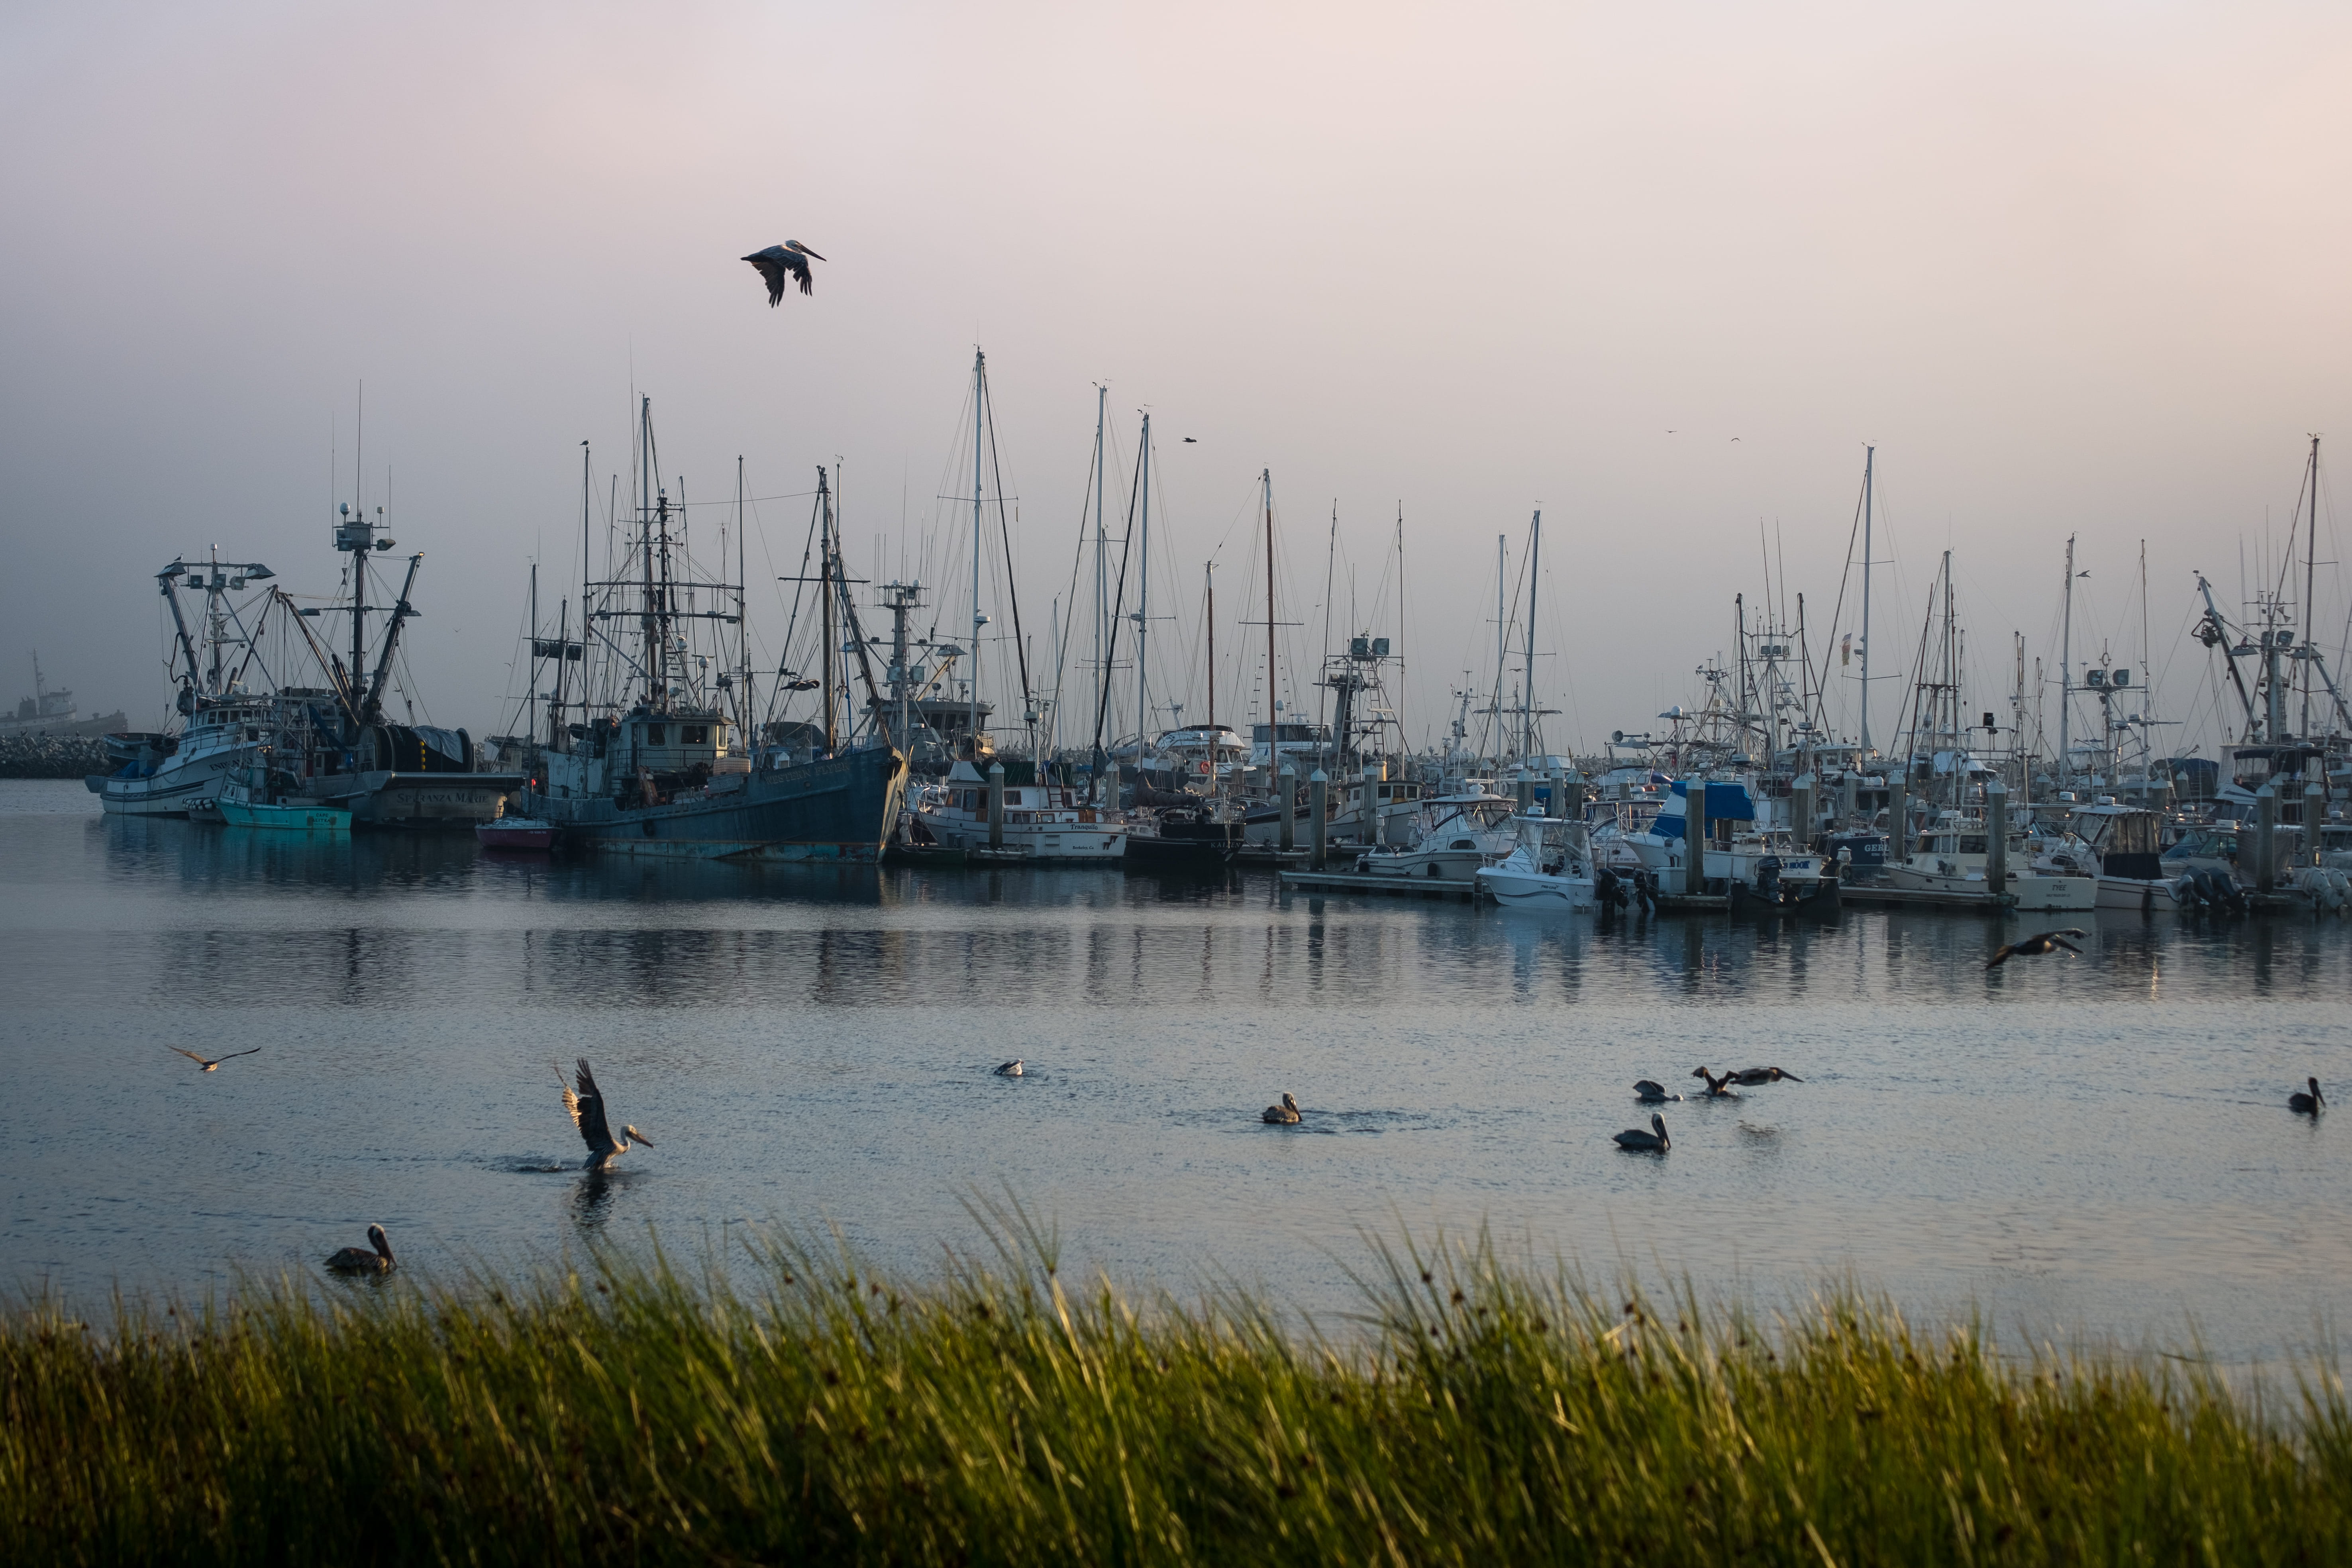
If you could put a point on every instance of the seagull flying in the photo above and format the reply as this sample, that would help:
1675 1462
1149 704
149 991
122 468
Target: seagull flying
780 262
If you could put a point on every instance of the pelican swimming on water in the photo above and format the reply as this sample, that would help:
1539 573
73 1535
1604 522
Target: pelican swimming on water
780 262
359 1260
587 1109
211 1064
1641 1142
1762 1075
2035 946
1288 1112
1010 1069
2310 1104
1650 1091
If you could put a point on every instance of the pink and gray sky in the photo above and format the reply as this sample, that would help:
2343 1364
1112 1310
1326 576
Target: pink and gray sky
2071 267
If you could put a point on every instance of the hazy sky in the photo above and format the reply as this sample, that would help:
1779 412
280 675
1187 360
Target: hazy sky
2071 267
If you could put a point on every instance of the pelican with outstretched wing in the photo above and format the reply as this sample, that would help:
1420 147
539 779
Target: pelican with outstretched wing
211 1064
779 263
587 1109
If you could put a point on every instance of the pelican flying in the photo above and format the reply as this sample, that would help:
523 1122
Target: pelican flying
211 1064
587 1109
359 1260
1288 1112
2035 946
1762 1075
2312 1103
779 263
1642 1142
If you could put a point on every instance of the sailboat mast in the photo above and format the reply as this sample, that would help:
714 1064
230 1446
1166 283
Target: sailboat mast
2067 673
1502 645
1869 477
1534 561
533 731
1143 603
979 381
1209 574
1273 724
586 573
1102 547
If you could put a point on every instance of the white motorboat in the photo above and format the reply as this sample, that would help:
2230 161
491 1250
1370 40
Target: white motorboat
1458 833
1549 868
1042 822
2116 846
1952 858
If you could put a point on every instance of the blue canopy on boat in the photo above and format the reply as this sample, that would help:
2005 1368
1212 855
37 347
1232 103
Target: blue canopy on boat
1725 802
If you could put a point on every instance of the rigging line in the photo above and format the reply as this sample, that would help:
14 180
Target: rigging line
1012 586
1118 600
1077 557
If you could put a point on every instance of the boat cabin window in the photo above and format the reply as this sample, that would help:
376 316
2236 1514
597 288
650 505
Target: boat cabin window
1972 843
696 735
654 735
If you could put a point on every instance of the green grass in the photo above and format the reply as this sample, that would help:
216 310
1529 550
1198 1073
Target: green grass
1484 1414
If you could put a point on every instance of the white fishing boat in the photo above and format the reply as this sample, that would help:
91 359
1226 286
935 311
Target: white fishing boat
221 723
2116 846
1550 868
1952 857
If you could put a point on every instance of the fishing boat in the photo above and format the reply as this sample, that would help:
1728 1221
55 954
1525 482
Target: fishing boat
258 794
1455 833
1042 822
659 761
222 722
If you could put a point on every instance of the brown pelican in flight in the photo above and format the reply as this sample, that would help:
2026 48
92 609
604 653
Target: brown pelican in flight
359 1260
1763 1075
780 262
587 1109
1288 1112
2310 1103
1641 1142
2036 946
211 1064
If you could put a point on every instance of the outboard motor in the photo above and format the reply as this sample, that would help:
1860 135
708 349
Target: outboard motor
1767 878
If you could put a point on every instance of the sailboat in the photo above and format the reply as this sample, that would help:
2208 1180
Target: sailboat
1011 812
661 761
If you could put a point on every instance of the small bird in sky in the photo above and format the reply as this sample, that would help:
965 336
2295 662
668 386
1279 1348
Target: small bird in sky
780 262
1734 437
2035 946
1188 441
213 1064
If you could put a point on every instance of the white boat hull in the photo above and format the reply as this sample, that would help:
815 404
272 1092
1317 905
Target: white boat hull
2032 892
183 786
1535 891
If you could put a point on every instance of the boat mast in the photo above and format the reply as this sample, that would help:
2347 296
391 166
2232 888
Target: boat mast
1273 707
1102 547
1528 713
1143 601
824 597
2310 611
1869 477
1404 745
533 731
1209 572
1502 636
979 383
2066 674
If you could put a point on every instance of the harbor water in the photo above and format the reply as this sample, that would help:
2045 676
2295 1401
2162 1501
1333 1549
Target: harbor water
2093 1148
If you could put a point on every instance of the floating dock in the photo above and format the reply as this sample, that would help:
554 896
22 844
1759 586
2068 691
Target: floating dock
1874 896
1373 882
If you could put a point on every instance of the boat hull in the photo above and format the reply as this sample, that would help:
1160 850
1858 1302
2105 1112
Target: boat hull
182 787
325 819
509 834
1534 890
839 809
384 798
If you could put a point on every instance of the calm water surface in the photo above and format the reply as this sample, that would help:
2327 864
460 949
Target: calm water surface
2092 1147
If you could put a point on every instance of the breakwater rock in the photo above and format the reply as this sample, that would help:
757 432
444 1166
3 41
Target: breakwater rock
51 756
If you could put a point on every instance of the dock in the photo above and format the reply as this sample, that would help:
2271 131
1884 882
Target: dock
1873 896
1373 882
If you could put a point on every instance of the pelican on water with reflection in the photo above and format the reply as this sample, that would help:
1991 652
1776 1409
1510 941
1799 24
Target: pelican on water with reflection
1717 1088
1288 1112
1650 1091
2310 1104
359 1260
1010 1069
1651 1143
587 1109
